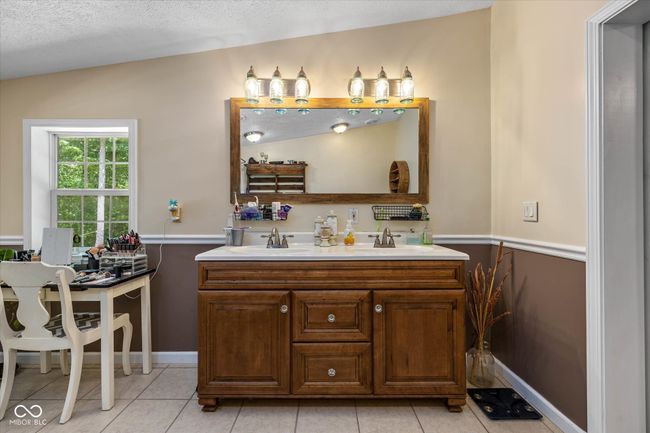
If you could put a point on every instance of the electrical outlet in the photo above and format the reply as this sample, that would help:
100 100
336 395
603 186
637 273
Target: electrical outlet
530 211
353 214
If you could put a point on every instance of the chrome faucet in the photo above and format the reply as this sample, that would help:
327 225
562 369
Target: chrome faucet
274 239
387 239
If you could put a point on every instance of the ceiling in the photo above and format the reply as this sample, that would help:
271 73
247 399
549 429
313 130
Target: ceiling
292 124
42 36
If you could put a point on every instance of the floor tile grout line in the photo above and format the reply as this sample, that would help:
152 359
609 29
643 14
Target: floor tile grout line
416 415
178 414
478 418
134 399
232 427
356 412
295 426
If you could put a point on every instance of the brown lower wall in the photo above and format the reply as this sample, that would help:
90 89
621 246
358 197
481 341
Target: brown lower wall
543 342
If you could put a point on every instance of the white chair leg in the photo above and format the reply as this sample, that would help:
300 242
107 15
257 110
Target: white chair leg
63 362
46 361
76 362
8 372
126 348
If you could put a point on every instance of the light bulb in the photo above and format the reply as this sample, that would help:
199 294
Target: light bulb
302 88
407 87
381 88
252 87
253 136
355 87
276 87
340 128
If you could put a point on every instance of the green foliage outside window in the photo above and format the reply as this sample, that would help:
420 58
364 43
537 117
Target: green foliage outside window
93 163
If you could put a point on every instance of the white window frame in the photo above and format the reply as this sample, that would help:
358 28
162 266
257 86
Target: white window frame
32 228
57 192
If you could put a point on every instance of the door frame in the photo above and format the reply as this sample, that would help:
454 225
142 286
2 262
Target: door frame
615 285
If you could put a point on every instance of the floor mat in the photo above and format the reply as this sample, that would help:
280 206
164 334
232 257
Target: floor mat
502 404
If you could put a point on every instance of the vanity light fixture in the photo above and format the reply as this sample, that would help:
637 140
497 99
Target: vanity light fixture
340 128
276 87
377 111
252 87
407 87
399 111
355 87
353 111
302 88
253 136
381 88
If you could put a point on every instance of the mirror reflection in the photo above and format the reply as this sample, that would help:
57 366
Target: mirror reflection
329 150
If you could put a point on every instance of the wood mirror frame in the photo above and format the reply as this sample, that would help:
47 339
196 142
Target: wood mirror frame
422 196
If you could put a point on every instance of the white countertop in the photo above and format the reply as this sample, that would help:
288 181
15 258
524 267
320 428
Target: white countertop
308 252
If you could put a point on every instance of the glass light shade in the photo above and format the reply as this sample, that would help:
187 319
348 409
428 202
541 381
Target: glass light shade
340 128
381 88
302 88
252 87
407 87
399 111
377 111
355 87
253 136
276 87
353 111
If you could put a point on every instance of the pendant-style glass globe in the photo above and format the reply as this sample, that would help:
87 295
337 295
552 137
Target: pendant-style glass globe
381 88
276 87
302 88
252 87
355 87
407 87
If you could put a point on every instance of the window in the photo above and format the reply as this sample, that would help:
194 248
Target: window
91 185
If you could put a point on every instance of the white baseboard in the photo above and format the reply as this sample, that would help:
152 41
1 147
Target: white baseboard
537 400
33 358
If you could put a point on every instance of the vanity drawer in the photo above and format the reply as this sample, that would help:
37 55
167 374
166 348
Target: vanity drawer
332 368
331 315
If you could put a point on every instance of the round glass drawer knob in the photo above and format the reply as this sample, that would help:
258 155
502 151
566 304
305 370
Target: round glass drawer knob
331 318
331 372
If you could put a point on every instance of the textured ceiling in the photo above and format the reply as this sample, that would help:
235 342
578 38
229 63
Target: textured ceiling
41 36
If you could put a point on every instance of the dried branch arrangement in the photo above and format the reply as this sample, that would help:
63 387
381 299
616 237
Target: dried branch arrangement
483 295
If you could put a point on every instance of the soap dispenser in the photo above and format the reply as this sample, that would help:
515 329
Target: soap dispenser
348 234
427 233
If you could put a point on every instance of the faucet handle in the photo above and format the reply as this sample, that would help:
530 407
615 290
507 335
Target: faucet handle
377 243
284 243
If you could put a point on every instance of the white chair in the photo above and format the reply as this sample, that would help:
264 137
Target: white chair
67 330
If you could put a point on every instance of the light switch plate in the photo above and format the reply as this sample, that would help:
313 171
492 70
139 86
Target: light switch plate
530 211
353 214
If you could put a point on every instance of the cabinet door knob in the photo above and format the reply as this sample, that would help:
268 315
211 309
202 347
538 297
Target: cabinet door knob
379 308
331 318
331 372
284 309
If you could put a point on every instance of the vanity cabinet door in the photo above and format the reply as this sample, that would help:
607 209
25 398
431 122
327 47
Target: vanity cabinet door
244 342
418 342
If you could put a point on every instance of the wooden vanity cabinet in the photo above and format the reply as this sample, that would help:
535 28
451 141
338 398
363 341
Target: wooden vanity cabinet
331 329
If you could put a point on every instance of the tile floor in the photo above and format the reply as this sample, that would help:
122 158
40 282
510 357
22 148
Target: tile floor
165 401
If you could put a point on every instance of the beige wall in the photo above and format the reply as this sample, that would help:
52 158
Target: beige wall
538 117
180 103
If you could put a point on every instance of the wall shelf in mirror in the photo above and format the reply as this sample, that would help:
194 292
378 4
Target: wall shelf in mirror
338 166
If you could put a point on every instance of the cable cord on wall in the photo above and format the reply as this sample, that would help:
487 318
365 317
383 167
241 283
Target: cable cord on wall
160 258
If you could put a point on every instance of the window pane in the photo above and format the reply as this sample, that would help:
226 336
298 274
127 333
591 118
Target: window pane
121 176
119 229
68 208
94 178
109 148
90 233
76 229
70 149
70 176
93 148
121 149
120 208
90 208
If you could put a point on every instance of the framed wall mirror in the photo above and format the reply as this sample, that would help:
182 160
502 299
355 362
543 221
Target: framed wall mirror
330 151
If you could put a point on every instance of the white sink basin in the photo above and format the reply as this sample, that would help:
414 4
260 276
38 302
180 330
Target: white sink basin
261 249
398 248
